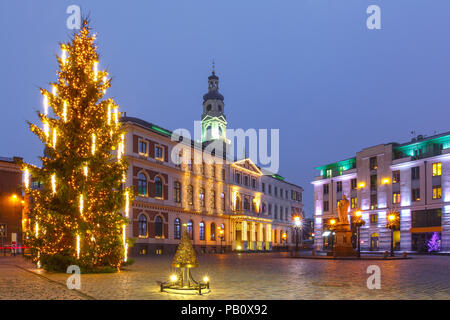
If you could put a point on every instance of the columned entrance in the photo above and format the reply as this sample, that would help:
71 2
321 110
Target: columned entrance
251 234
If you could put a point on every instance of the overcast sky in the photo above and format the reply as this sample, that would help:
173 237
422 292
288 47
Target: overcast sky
310 68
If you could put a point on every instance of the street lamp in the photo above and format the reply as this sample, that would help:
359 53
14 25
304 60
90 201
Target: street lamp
358 223
297 226
392 223
284 237
221 235
332 227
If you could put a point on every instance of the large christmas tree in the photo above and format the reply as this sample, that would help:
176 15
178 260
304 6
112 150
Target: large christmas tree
76 214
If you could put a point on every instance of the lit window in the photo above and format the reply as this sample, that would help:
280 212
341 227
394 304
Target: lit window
177 229
201 197
202 230
436 169
396 197
354 202
437 192
190 195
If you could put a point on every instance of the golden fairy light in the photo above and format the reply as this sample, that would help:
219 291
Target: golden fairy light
63 54
78 246
53 183
46 129
116 115
95 70
104 83
45 103
36 230
81 204
64 114
39 260
109 114
85 170
54 90
127 204
93 144
26 178
125 244
54 137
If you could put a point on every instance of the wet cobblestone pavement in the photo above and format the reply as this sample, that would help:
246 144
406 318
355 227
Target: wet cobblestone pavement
241 276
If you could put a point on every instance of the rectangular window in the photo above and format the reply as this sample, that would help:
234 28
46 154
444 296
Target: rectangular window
325 206
354 202
415 173
281 192
159 153
325 188
436 169
339 186
270 189
253 183
276 191
246 180
373 163
374 218
263 187
415 194
237 177
223 174
270 209
142 147
396 176
373 201
373 182
396 197
213 171
353 184
437 192
329 173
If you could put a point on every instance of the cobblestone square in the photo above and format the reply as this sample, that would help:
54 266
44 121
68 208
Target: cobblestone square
240 276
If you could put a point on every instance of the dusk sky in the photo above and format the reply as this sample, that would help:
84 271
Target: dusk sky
310 68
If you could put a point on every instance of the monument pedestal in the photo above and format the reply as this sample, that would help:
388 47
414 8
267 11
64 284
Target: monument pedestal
343 241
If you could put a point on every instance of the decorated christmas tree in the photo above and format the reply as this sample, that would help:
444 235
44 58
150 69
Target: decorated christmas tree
434 244
79 213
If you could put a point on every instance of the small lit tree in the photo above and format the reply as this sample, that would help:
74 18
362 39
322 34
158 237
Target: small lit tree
76 215
434 244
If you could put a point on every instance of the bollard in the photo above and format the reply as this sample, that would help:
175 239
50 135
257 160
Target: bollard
313 253
385 255
404 255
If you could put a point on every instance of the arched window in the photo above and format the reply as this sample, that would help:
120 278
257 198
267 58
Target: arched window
208 107
158 226
190 229
220 108
202 230
142 184
213 231
177 229
158 187
275 236
190 195
208 133
142 225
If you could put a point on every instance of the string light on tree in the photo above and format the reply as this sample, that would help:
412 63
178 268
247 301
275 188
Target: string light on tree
84 208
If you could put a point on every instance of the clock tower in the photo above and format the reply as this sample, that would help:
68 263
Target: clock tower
214 123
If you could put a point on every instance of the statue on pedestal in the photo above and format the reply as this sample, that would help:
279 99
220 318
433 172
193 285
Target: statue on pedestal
343 210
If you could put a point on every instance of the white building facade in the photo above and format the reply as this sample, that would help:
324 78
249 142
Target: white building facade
410 179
